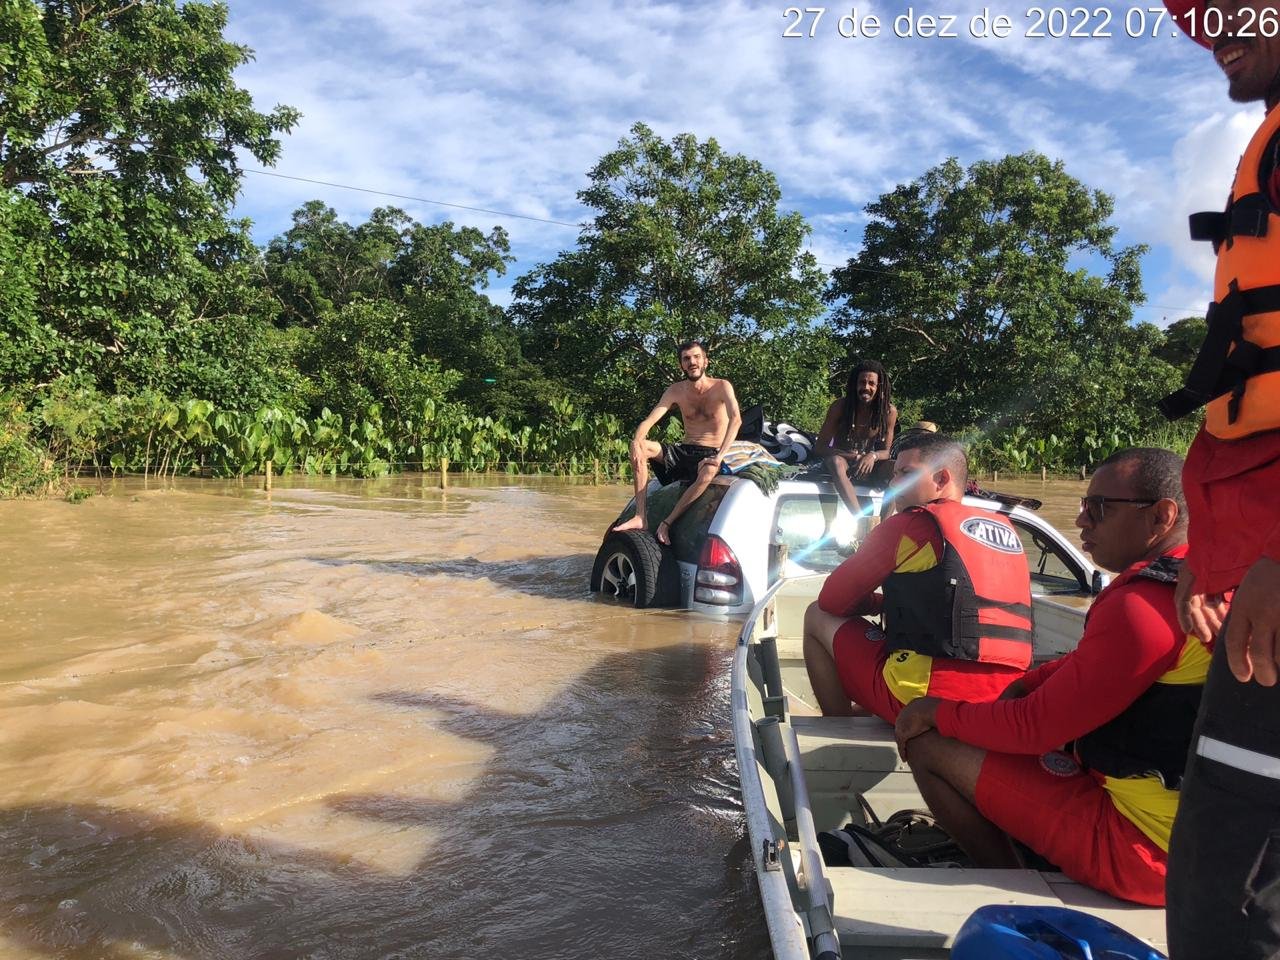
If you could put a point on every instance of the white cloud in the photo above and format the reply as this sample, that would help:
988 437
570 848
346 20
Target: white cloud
1175 301
507 105
1204 163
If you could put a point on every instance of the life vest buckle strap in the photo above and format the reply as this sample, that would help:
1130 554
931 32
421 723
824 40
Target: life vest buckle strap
1181 402
1249 216
1244 359
1260 300
1245 217
1208 225
1268 361
996 631
1204 380
1010 606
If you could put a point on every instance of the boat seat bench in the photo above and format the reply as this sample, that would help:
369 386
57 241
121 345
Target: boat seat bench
884 910
880 911
834 772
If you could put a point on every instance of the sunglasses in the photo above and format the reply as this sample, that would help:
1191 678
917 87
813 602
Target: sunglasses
1095 505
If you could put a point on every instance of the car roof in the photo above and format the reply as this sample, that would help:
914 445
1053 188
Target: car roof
816 486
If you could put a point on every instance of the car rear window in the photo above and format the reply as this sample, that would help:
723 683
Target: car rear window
815 530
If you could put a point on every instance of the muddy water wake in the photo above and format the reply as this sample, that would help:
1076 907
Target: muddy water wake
356 719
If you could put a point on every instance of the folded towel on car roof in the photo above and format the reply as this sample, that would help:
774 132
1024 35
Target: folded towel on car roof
743 453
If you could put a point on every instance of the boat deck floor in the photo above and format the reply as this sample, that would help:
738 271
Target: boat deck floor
886 911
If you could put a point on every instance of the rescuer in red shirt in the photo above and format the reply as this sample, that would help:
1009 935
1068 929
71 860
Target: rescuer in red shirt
956 603
1224 882
1081 759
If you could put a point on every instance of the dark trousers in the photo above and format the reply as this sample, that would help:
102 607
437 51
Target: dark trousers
1224 856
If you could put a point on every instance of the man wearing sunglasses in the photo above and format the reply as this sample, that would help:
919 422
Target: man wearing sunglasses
1224 883
1123 703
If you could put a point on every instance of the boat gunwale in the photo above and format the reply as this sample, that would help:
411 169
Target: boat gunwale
786 929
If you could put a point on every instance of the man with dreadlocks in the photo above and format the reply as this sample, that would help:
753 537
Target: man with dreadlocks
858 432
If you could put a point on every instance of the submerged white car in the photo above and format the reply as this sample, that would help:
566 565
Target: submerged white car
726 549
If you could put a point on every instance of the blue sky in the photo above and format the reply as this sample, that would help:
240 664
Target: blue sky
506 105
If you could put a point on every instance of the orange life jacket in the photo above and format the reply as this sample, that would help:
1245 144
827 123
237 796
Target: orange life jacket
1237 371
975 604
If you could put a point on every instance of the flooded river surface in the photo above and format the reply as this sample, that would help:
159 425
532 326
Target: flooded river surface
360 719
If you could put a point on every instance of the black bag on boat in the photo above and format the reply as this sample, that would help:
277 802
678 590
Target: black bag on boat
908 838
855 846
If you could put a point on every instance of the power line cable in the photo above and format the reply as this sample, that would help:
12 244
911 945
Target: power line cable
402 196
1196 311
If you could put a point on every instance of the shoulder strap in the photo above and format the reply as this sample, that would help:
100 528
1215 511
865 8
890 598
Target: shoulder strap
1165 569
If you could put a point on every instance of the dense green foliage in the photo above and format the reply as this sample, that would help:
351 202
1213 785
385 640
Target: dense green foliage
149 433
121 125
392 311
142 330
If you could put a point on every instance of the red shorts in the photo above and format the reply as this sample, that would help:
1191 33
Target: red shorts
1064 814
860 657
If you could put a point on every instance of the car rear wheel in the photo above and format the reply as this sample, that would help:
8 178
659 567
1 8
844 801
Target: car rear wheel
632 567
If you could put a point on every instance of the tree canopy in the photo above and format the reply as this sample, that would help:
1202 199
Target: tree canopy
996 295
686 241
421 285
119 132
137 315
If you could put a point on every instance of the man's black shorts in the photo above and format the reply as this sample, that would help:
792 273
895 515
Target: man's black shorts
680 462
880 477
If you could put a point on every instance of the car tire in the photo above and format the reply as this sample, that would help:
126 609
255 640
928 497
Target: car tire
632 566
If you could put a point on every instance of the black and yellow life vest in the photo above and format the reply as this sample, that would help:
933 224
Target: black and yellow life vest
1237 371
1152 736
975 604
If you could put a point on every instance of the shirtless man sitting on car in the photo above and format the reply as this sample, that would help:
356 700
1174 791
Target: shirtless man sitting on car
711 420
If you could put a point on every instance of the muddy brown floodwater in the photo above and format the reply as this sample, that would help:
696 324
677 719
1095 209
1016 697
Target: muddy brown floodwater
359 719
1061 499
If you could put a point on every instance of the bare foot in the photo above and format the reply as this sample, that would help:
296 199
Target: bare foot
635 523
663 533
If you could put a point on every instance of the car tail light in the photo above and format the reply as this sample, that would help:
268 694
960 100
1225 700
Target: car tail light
719 577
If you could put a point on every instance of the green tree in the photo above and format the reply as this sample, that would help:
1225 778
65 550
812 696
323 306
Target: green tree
432 275
120 127
321 263
1182 340
686 240
360 356
996 295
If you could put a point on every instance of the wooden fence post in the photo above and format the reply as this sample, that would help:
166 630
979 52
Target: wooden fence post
444 472
266 483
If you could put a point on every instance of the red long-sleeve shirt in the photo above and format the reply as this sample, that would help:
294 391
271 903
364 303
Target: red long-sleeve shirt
1233 506
850 589
1131 639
